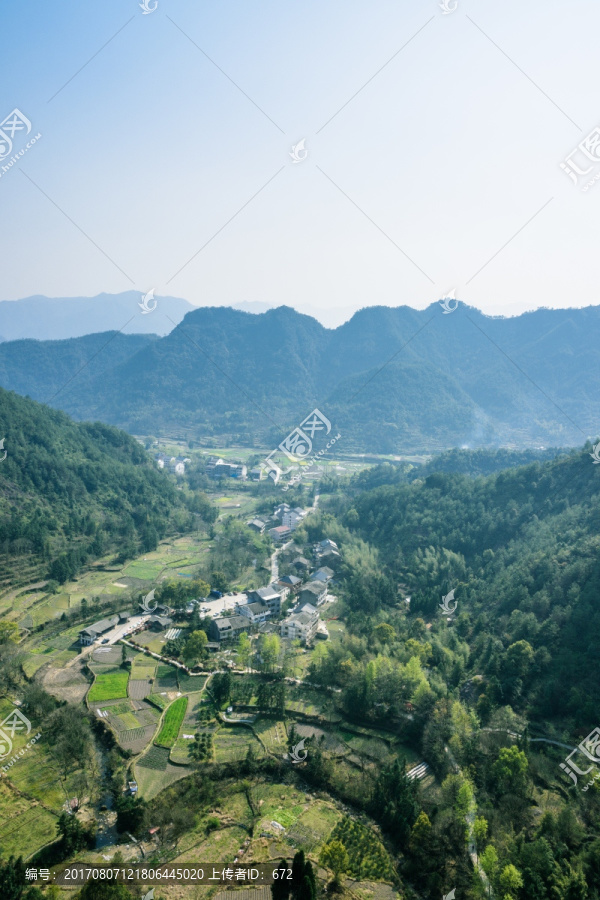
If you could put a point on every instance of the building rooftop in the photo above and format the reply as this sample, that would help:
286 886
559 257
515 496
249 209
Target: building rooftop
315 587
256 608
227 622
267 593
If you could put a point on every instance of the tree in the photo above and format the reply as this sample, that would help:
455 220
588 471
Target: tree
394 800
12 878
244 649
303 884
270 648
510 771
131 813
281 887
480 830
68 733
335 856
9 631
195 646
221 687
53 892
73 834
420 837
384 633
219 582
489 861
510 879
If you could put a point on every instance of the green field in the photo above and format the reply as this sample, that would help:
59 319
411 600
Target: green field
174 716
158 700
109 686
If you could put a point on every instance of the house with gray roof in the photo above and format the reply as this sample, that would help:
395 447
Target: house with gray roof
324 574
314 592
88 635
270 596
225 628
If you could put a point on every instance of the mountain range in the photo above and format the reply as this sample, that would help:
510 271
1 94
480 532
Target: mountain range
54 318
390 379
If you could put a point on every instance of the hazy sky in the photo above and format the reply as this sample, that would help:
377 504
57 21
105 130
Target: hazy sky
173 141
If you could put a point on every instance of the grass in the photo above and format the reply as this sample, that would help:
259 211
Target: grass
27 832
272 734
147 571
174 716
109 686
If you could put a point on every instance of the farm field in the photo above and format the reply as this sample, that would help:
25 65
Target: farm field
172 721
154 772
231 743
110 685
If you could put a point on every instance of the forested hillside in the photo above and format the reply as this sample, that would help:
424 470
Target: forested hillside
520 550
70 492
497 687
390 379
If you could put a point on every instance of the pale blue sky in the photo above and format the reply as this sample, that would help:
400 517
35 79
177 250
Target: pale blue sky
447 152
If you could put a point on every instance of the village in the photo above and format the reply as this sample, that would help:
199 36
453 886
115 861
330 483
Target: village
288 606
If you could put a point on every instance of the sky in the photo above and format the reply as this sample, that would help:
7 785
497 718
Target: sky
431 162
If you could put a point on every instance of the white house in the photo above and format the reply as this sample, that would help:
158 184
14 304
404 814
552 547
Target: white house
292 518
301 625
256 612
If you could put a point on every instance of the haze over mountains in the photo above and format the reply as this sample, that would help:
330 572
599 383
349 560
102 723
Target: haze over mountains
390 379
55 318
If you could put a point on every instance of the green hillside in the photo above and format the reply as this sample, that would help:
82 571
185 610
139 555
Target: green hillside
390 379
73 492
520 548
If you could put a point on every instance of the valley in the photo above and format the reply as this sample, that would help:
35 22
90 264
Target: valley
193 741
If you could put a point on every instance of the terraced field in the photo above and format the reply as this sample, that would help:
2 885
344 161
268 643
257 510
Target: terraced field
172 722
231 743
138 690
156 758
111 685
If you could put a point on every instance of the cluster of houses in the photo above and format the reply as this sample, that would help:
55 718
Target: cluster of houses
158 621
281 524
174 464
93 633
221 468
262 606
